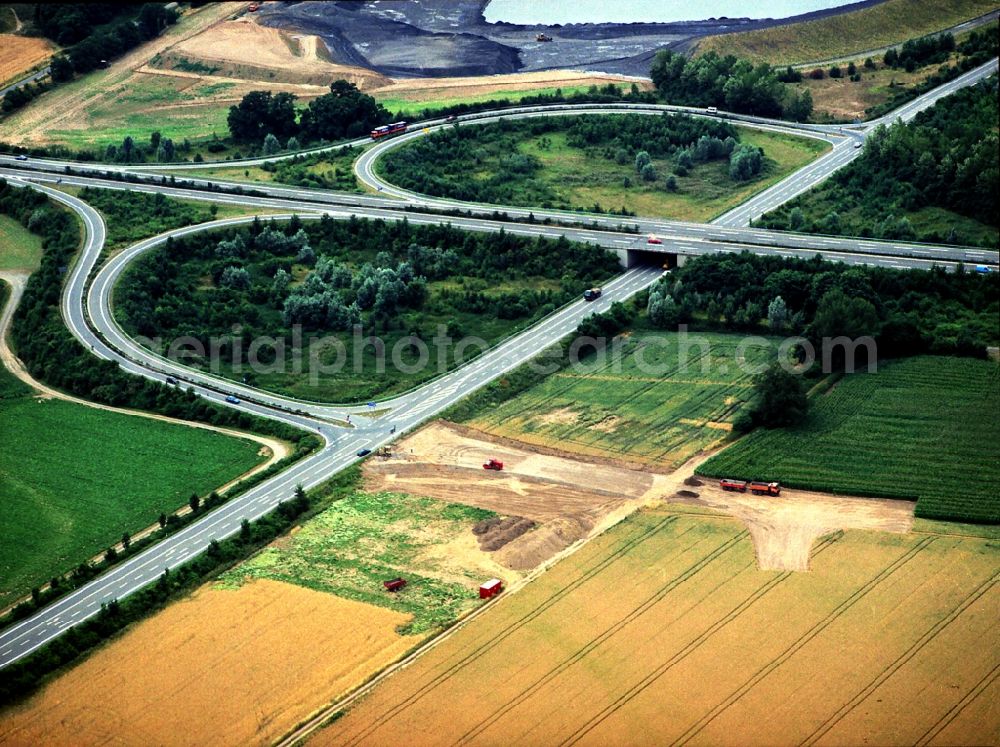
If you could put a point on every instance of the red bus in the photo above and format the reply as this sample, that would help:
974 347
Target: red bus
389 129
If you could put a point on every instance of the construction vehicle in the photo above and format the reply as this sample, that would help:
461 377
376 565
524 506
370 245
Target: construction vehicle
543 38
591 294
765 488
739 486
493 464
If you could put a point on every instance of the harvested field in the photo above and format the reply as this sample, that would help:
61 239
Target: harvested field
223 667
663 631
565 497
19 54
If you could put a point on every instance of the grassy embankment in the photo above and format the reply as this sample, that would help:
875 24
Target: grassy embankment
19 248
922 428
885 24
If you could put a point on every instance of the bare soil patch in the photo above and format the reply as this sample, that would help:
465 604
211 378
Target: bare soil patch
224 667
565 499
786 527
19 54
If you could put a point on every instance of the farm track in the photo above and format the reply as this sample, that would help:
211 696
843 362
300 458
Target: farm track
477 652
692 646
957 709
898 663
637 612
805 638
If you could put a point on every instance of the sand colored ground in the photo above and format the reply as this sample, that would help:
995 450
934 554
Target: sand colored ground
784 528
572 498
19 54
569 499
224 667
664 631
433 88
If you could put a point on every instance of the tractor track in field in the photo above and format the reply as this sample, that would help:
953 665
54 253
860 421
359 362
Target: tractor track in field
988 679
800 642
901 660
655 598
477 652
692 646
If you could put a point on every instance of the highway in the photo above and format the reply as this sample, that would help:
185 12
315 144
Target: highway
86 310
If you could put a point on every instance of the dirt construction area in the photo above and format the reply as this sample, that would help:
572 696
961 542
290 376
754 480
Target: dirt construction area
223 667
663 630
570 499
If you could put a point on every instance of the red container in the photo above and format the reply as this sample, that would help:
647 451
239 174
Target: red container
491 588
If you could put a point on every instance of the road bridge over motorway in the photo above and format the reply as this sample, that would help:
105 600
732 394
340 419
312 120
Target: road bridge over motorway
86 310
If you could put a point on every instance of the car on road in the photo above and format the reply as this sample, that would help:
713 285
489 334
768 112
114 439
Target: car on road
858 144
712 110
451 118
654 240
20 158
232 400
171 380
364 452
591 294
985 269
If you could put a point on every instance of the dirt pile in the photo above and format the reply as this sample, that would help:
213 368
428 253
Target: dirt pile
496 532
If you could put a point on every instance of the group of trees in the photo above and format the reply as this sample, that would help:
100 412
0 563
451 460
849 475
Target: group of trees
947 157
728 83
927 50
158 148
272 119
906 312
374 273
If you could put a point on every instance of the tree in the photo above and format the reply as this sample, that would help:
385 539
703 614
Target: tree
166 151
194 502
777 314
163 520
796 219
869 63
642 160
851 68
799 106
154 141
260 113
779 398
648 173
126 540
271 145
292 144
246 533
838 314
671 183
344 112
61 69
235 277
111 555
745 162
836 72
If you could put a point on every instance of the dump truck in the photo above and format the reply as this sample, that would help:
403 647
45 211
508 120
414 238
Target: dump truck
493 464
765 488
739 486
591 294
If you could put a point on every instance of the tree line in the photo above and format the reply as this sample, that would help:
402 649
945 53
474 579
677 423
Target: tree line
946 157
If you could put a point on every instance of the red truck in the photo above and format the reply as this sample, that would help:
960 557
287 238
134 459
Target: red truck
389 129
736 485
765 488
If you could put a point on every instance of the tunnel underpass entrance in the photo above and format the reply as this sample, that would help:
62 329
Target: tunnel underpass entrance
649 258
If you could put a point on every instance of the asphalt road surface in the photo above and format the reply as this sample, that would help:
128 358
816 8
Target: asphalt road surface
341 442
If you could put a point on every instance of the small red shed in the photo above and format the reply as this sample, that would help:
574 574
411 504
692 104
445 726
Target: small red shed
395 584
491 588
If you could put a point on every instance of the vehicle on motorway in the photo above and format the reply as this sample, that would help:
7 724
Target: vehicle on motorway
232 400
20 158
591 294
451 118
858 144
712 110
364 452
389 129
171 380
654 239
983 269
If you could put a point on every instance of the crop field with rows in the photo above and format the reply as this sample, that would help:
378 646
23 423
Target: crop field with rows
923 428
661 404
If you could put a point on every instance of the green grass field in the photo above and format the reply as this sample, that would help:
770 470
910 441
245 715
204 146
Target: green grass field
683 403
363 540
19 248
885 24
74 478
923 428
414 105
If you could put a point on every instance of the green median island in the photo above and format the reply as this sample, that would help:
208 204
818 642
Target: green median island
433 296
922 428
74 479
671 166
